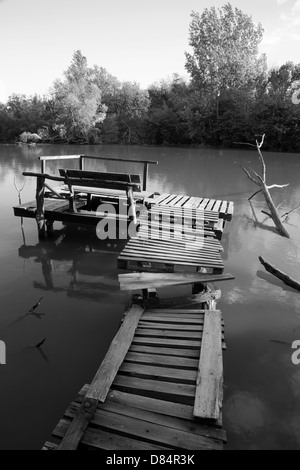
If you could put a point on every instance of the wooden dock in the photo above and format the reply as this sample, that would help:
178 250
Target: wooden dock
159 387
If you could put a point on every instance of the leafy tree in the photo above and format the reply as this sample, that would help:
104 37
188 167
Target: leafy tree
225 49
127 110
79 99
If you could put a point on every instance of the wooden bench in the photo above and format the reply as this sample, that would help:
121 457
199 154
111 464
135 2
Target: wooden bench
81 181
76 180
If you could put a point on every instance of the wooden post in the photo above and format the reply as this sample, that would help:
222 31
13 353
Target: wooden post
72 204
131 204
81 162
145 176
43 166
40 207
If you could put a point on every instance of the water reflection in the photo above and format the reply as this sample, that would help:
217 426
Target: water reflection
80 258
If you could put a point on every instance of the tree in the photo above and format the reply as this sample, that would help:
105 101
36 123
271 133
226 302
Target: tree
127 110
225 49
79 99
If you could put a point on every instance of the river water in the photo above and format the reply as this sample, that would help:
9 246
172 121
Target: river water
82 304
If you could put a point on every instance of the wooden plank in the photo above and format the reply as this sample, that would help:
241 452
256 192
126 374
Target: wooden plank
230 210
160 350
160 360
98 175
79 425
182 201
223 208
145 246
159 199
190 202
154 372
212 259
210 205
140 255
166 333
115 355
177 198
153 280
188 243
174 319
159 248
104 440
131 426
50 446
156 388
209 390
167 342
169 199
203 204
163 407
149 409
167 326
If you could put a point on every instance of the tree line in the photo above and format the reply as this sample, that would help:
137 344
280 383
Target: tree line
230 97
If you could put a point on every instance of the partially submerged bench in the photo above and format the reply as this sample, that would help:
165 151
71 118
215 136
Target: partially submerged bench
78 188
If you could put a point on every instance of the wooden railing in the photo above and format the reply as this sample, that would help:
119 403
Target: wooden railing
81 159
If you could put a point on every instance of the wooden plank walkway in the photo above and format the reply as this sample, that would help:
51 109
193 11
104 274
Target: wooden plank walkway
223 208
149 390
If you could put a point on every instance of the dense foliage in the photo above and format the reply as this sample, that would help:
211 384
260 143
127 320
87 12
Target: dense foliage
231 96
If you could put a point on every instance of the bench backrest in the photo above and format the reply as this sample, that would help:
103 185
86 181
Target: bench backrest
97 179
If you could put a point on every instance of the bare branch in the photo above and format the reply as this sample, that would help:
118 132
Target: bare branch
244 143
262 162
17 189
289 212
249 176
278 186
261 142
257 175
267 213
257 192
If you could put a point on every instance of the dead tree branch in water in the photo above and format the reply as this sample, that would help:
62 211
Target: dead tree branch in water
280 274
260 181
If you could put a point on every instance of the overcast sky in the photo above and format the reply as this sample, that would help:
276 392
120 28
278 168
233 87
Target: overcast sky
135 40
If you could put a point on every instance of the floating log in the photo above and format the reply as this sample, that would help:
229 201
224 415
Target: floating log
281 275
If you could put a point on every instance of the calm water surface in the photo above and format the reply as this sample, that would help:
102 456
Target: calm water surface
83 306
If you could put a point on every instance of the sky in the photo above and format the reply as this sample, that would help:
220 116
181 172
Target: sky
135 40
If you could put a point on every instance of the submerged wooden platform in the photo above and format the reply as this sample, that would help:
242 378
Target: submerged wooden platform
160 386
